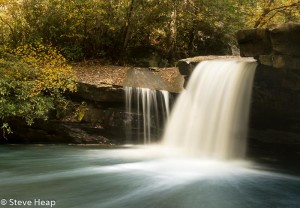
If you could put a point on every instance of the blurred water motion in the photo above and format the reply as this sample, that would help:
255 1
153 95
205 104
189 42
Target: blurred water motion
210 118
132 177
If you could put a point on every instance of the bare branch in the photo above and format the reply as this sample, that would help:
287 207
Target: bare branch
269 10
10 27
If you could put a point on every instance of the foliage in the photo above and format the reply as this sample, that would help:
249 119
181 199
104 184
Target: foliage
33 79
118 28
55 75
122 29
262 13
75 112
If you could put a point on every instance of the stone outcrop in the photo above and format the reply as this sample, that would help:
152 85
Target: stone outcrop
275 113
186 66
102 120
154 78
277 46
254 42
99 93
144 78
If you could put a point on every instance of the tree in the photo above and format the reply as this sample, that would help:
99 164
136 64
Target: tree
10 21
121 30
262 13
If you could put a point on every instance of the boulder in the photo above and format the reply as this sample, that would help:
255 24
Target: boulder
144 78
254 42
285 39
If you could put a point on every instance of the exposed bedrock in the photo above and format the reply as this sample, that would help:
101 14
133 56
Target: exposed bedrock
99 115
277 46
275 117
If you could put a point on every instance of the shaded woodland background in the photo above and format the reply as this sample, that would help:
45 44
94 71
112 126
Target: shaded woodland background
124 31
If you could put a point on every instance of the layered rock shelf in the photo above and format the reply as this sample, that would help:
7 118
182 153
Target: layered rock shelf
277 46
100 116
275 113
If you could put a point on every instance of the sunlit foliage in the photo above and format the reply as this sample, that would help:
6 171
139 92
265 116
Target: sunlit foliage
54 76
262 13
32 82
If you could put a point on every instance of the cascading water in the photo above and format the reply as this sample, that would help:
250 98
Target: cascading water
151 109
145 176
210 118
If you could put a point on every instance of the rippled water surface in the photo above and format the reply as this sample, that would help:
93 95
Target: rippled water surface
136 177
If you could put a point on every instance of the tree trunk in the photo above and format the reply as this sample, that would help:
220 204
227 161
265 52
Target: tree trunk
128 24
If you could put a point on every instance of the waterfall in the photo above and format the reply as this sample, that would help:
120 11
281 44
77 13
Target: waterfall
147 111
210 117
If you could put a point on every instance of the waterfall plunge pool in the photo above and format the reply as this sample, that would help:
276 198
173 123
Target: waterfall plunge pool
133 177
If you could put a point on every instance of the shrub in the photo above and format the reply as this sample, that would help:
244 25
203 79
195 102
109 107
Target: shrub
33 80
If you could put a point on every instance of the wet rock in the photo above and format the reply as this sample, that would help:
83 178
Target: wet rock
186 66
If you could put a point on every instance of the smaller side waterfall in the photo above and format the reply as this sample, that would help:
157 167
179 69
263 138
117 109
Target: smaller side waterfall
147 111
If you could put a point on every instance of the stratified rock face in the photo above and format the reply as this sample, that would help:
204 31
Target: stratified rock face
278 46
102 121
275 106
275 112
99 93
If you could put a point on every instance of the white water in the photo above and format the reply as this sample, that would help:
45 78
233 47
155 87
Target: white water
210 118
151 105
